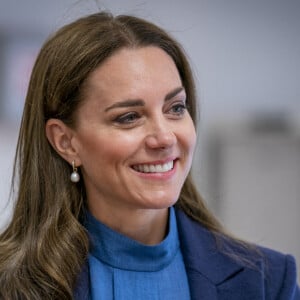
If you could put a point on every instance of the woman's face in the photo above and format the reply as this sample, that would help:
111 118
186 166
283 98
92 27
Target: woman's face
133 135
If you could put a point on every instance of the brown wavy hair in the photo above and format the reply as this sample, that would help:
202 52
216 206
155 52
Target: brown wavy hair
45 246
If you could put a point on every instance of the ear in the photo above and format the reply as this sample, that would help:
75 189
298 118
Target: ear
60 137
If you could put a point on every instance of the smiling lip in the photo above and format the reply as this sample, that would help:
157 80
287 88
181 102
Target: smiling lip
159 167
154 168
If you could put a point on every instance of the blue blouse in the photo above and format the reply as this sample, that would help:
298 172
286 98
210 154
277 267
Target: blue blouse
122 268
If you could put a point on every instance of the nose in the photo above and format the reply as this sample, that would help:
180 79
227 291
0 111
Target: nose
160 136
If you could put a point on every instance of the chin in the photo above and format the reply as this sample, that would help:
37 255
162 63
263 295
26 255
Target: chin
157 203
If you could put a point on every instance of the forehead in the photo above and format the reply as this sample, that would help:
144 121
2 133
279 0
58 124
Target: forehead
134 70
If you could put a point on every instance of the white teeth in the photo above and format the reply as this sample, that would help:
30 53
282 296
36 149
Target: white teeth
152 168
160 168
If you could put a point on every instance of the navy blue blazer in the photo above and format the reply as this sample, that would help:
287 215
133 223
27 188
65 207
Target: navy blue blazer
215 275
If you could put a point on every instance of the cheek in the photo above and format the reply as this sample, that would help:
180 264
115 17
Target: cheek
188 137
106 147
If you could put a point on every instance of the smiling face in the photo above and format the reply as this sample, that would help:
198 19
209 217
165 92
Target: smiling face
133 136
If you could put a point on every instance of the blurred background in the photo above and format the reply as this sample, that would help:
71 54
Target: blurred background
246 59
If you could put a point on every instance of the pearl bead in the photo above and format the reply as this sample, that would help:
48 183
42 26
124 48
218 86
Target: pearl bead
75 177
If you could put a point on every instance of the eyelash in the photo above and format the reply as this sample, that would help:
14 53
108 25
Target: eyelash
182 108
131 117
127 118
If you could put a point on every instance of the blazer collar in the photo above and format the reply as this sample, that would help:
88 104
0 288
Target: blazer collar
206 266
81 290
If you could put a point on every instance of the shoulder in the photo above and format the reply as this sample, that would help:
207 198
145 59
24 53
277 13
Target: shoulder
280 275
225 261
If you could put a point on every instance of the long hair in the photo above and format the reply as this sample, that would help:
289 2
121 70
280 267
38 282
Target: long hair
45 245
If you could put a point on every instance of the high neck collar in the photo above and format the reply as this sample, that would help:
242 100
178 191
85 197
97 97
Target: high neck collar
119 251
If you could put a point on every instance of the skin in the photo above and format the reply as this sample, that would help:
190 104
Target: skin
133 114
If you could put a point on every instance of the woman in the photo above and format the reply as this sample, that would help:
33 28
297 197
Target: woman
112 102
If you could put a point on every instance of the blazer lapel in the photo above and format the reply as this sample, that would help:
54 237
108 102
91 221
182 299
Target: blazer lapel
208 269
81 291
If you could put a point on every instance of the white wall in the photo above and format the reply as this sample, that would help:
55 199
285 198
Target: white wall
8 139
258 187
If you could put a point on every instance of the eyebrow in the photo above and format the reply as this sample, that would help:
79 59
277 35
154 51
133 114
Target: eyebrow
140 102
126 103
173 93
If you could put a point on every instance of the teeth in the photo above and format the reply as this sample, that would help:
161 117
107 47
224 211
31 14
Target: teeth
160 168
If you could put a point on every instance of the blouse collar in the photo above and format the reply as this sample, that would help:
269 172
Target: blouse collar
122 252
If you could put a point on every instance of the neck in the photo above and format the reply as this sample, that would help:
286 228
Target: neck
147 226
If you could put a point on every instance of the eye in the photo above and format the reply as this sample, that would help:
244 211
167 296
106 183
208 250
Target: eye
127 118
178 109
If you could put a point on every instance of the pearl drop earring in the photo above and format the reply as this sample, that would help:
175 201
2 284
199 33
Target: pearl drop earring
74 176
